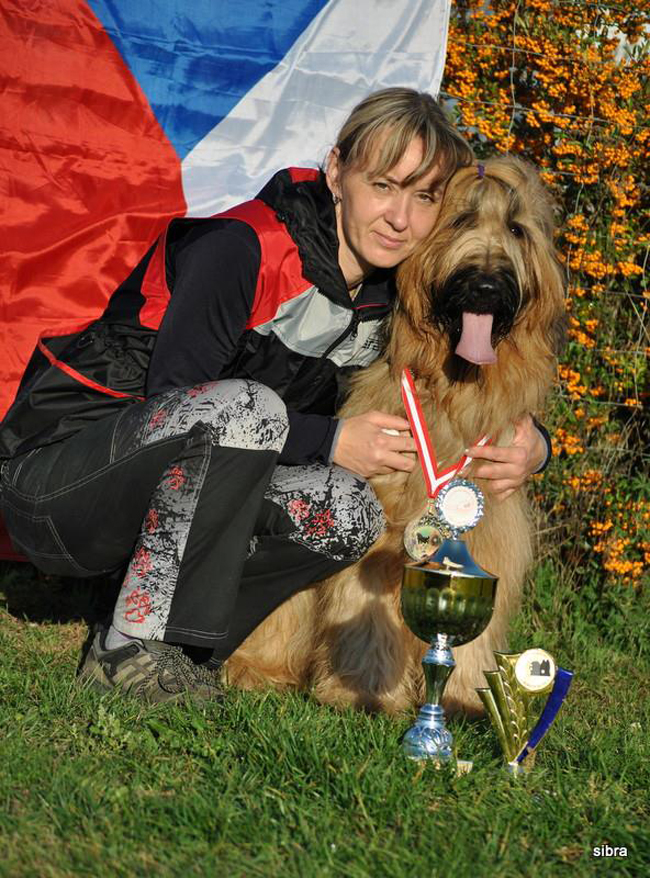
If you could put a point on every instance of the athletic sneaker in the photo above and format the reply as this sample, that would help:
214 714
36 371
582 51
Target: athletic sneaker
149 669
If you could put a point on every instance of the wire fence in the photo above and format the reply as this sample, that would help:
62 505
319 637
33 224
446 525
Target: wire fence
571 59
520 108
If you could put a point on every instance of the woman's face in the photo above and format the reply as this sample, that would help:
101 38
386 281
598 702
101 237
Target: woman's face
379 218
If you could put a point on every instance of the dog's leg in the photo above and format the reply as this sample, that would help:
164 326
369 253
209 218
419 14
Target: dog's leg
364 650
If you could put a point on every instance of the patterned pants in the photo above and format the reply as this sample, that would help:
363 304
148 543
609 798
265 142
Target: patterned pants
185 489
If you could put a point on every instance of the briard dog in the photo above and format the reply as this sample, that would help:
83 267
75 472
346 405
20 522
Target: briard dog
480 321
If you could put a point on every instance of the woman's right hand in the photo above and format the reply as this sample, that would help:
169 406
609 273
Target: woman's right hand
365 447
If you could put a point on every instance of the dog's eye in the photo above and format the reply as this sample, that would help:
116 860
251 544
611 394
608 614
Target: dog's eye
516 230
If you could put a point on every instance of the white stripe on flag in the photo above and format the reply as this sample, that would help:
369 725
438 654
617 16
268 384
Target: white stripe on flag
292 115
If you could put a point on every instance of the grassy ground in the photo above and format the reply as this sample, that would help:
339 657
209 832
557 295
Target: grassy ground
275 785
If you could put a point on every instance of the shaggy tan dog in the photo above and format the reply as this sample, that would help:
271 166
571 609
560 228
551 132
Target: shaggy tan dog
487 276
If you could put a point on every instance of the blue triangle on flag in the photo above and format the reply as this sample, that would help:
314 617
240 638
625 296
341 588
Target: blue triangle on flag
195 61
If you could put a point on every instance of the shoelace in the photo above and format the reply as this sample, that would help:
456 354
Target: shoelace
211 676
184 672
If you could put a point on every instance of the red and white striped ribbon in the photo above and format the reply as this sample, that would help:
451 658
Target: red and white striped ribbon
434 480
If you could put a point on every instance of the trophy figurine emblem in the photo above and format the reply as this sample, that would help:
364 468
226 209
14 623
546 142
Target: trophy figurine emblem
510 696
447 599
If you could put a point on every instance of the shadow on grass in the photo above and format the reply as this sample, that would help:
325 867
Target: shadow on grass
37 597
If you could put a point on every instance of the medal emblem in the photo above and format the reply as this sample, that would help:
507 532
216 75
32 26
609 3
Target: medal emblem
535 671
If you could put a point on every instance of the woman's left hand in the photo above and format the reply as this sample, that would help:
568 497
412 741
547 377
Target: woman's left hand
505 469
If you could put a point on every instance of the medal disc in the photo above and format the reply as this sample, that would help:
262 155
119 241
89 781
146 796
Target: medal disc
422 537
460 505
535 671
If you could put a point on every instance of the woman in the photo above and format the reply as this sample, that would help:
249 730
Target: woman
189 433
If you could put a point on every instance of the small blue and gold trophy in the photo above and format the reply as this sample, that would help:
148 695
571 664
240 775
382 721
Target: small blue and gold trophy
509 700
447 600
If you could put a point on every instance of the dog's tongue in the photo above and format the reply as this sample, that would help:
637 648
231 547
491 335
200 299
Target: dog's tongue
475 342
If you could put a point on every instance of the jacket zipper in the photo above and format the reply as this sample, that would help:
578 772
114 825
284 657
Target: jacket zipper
351 329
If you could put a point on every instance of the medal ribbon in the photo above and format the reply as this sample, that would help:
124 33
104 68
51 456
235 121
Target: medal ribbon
434 479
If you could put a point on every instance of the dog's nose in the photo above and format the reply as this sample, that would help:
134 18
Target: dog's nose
486 285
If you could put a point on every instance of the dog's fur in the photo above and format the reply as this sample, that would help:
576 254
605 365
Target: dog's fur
492 250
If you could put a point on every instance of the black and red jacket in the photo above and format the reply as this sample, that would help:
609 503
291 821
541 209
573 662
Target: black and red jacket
255 292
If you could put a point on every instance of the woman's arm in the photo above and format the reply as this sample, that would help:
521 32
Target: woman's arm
214 272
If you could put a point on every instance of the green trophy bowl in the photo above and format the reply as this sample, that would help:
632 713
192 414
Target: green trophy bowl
446 601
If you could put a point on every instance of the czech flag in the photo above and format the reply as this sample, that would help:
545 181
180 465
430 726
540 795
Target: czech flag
116 115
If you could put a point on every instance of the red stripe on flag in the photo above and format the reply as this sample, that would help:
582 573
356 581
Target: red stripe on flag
91 177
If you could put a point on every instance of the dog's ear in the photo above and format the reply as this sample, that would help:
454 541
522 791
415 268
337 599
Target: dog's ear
558 335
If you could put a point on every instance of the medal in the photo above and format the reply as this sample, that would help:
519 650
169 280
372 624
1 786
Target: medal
454 505
460 505
423 536
535 671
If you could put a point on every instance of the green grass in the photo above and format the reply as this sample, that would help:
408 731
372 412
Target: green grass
275 785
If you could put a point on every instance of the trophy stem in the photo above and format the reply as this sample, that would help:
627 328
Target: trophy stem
438 663
429 737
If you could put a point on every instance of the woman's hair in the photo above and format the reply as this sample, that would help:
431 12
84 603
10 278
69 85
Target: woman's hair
395 116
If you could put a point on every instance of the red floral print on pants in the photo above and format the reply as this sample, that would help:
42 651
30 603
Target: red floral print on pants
320 524
298 509
198 390
139 604
176 478
151 521
141 562
157 419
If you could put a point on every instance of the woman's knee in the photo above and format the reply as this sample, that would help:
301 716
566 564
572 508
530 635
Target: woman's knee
258 417
334 512
237 413
361 519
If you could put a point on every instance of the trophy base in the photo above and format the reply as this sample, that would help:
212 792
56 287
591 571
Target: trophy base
429 738
521 768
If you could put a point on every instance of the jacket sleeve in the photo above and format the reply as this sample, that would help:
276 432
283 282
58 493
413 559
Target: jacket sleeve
213 271
310 439
549 446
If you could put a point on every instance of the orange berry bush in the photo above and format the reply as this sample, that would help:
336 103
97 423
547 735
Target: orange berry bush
564 83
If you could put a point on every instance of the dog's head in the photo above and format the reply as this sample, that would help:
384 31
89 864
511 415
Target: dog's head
489 269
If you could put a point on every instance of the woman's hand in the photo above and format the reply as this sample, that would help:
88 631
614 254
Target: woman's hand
364 447
505 469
